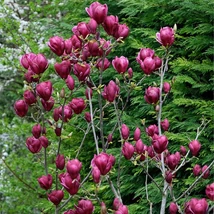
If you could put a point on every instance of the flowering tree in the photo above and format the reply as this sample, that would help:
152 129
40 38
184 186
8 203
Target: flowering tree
83 61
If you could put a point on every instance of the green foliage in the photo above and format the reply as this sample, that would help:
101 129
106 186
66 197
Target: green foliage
190 100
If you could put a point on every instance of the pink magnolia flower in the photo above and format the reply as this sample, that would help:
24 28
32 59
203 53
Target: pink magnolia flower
168 176
183 150
97 11
84 207
120 64
70 82
111 25
125 131
71 185
65 113
92 26
207 173
38 64
151 130
166 87
122 210
37 130
160 143
60 161
122 31
148 65
44 90
30 76
165 124
103 162
24 60
57 45
82 71
128 150
103 65
44 141
196 206
96 174
88 117
194 147
78 105
137 134
56 196
144 53
152 95
21 108
73 168
172 161
34 145
29 97
210 191
111 91
63 69
48 105
81 30
140 147
45 181
197 170
166 36
173 208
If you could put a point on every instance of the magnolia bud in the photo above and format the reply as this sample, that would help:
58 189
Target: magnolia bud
21 108
196 170
57 45
165 124
60 161
96 174
120 64
152 95
70 82
109 138
168 177
36 130
125 131
29 97
183 150
44 141
56 196
128 150
45 181
194 147
73 168
88 117
137 134
207 173
58 131
210 191
173 208
166 87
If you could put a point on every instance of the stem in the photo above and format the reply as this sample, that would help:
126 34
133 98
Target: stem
45 164
164 193
81 144
119 128
101 106
195 182
113 189
26 184
92 121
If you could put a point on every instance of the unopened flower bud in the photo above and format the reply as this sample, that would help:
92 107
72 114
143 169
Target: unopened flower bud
29 97
73 168
70 82
58 131
196 170
111 91
56 196
125 131
44 141
60 161
194 147
45 181
210 191
166 87
96 175
128 150
165 124
21 108
88 117
57 45
152 95
207 173
137 134
173 208
36 130
120 64
183 150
